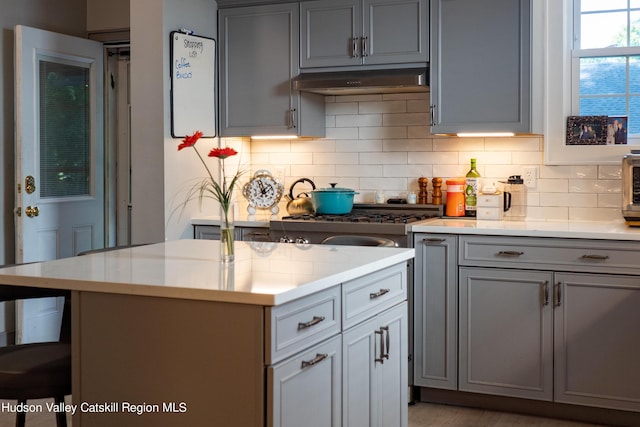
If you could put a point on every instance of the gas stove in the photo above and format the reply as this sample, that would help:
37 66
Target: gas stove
390 221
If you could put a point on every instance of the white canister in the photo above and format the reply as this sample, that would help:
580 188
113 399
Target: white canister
412 198
490 206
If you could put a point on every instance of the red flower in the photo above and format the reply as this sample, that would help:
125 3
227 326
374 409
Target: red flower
222 153
190 140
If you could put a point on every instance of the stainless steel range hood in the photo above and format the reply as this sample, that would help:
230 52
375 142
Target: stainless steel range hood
366 81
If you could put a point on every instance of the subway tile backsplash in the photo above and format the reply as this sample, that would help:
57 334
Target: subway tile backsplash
382 142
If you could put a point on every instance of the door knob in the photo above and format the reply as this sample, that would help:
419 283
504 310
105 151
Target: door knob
32 211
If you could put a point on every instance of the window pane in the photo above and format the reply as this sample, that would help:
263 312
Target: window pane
598 30
590 5
634 115
634 75
603 106
604 75
635 29
65 138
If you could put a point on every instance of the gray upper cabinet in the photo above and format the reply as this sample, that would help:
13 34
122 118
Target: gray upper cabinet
363 32
259 55
481 66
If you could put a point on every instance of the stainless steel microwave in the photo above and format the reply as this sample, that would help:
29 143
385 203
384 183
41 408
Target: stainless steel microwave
631 187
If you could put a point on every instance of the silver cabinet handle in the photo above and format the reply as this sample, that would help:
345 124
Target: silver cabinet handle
546 292
432 240
379 293
354 47
595 257
557 289
319 358
385 343
432 113
292 119
510 253
310 323
363 45
380 357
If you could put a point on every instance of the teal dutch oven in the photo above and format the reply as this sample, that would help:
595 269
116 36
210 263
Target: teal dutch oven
332 201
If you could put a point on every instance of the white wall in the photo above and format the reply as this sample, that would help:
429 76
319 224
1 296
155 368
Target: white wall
159 171
107 15
383 142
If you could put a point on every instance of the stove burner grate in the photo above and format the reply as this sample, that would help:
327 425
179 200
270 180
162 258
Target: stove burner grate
385 218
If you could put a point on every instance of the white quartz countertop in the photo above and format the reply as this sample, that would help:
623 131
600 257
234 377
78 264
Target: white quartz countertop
615 229
263 273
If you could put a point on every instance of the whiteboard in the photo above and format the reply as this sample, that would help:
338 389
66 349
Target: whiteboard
193 87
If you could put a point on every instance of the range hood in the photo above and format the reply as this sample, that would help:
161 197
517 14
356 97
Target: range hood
365 81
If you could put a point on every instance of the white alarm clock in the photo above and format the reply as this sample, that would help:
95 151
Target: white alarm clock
263 191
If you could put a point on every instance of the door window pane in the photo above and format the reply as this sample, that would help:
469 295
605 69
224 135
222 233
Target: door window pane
65 130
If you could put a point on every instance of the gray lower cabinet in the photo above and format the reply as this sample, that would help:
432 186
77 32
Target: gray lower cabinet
435 299
259 55
538 318
597 340
551 319
339 357
480 69
375 371
306 389
363 32
506 332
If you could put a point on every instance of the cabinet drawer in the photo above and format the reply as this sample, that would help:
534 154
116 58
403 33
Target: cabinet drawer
301 323
367 296
550 253
307 387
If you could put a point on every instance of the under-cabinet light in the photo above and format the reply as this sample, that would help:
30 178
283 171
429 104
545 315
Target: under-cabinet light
274 137
484 134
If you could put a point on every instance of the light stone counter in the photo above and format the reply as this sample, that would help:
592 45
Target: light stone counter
185 340
263 273
615 229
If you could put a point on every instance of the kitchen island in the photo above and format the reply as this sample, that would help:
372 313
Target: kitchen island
167 335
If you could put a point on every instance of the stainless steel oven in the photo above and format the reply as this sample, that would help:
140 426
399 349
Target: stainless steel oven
631 187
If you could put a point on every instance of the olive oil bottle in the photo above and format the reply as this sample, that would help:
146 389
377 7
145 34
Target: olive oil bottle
471 190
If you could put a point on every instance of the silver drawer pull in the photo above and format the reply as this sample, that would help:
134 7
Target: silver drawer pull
510 253
310 323
379 293
546 292
432 240
319 358
380 357
595 257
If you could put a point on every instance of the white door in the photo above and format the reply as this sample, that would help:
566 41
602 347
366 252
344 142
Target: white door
59 159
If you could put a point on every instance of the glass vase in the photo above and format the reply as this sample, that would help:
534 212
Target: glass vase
227 238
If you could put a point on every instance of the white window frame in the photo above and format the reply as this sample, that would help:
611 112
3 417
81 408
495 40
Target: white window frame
578 53
553 57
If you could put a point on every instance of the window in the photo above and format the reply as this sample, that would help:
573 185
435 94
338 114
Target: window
606 60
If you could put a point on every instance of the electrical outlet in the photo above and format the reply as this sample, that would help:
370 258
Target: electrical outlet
530 176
